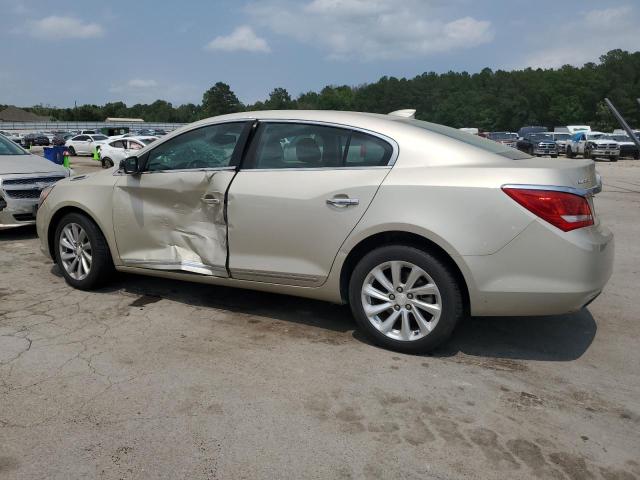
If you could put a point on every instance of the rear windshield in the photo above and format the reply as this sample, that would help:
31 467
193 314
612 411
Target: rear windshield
8 147
99 137
474 140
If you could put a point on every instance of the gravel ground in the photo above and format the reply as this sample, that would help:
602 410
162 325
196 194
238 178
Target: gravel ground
151 378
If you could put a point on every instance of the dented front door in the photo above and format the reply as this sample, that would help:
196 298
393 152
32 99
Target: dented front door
170 221
171 215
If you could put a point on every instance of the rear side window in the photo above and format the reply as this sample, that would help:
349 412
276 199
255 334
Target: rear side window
367 151
298 145
117 144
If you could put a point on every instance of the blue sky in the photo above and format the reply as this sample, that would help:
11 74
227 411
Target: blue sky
138 51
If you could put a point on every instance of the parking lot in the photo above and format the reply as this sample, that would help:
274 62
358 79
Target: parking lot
151 378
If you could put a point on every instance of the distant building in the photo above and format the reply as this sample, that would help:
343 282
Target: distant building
15 114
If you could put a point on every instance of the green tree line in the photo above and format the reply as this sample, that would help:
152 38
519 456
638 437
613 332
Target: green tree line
490 100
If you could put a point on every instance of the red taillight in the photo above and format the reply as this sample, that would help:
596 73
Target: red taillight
566 211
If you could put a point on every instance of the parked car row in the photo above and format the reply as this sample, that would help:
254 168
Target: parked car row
60 137
573 140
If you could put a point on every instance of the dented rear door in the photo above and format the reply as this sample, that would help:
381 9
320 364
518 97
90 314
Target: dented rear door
171 216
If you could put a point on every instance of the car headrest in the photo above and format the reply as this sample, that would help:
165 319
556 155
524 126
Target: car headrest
308 152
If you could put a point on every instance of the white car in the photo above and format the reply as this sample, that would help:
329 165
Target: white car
85 144
113 152
593 145
14 137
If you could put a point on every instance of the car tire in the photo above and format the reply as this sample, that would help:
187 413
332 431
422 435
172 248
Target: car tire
72 151
636 156
397 327
570 153
554 156
107 162
613 159
530 151
77 231
587 154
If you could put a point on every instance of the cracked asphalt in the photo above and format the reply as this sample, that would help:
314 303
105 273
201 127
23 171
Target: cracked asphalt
150 378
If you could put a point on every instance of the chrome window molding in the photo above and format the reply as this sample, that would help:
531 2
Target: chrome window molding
182 170
307 169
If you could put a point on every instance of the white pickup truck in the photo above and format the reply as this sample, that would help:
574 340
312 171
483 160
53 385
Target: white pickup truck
593 145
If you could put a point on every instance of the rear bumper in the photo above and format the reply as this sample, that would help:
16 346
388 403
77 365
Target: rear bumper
543 271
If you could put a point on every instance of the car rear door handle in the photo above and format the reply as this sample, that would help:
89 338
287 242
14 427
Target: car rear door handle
342 202
210 200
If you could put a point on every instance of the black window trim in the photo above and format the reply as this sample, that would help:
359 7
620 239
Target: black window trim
249 159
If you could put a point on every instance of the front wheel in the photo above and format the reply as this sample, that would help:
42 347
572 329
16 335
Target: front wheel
82 252
72 151
613 159
570 153
405 299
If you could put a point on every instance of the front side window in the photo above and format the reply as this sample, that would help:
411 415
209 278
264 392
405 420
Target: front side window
207 147
295 145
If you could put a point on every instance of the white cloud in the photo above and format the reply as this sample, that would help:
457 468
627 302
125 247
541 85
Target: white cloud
584 38
141 83
243 38
57 27
372 29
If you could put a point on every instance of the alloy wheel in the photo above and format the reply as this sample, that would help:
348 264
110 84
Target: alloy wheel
401 300
75 251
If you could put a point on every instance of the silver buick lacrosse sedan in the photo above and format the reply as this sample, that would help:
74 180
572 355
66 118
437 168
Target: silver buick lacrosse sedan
413 224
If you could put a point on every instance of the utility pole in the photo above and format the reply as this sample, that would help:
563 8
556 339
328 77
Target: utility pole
622 122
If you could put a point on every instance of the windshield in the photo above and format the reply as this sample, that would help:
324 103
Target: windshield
502 136
99 137
8 147
541 136
617 138
562 136
595 136
475 140
147 141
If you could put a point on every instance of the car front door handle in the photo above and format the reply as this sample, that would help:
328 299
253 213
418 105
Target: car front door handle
342 202
210 200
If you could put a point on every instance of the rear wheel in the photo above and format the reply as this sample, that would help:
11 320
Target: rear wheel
82 252
405 299
107 162
72 151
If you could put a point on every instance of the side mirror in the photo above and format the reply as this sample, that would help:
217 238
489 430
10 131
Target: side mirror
130 165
